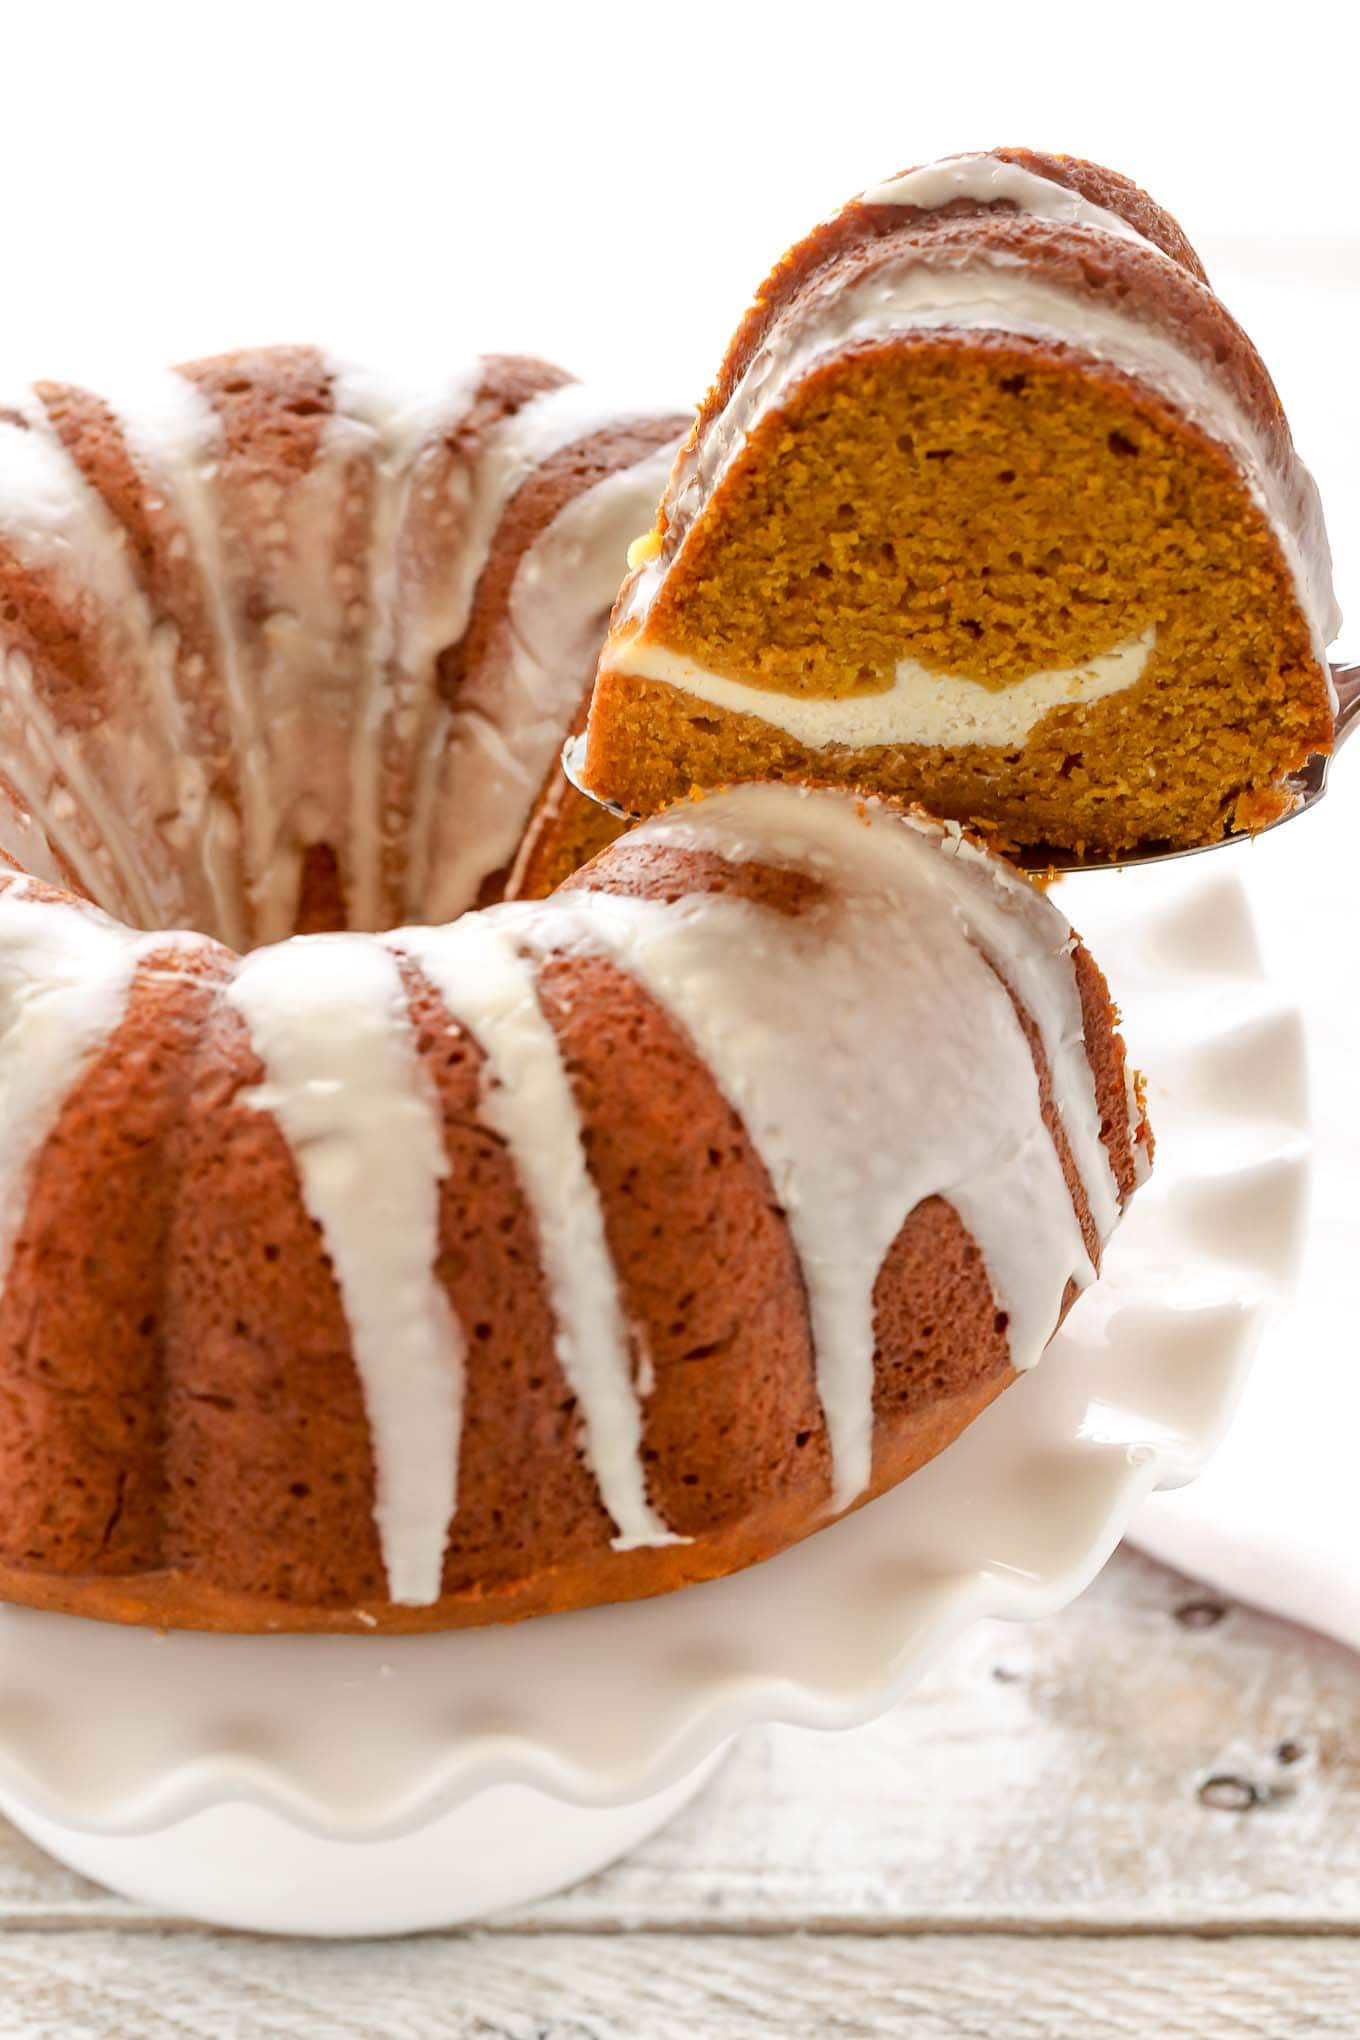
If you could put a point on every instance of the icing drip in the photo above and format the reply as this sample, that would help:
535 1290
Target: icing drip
488 988
342 1078
88 788
920 708
505 740
906 1105
175 435
405 430
65 976
48 773
483 760
27 846
372 569
1025 937
295 548
987 180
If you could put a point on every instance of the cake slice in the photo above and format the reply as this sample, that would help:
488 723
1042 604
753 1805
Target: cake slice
994 506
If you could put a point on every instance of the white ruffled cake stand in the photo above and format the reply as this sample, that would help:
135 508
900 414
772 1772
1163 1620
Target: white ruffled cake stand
350 1785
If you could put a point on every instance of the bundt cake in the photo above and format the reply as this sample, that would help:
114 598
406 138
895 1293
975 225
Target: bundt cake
567 1253
289 645
992 506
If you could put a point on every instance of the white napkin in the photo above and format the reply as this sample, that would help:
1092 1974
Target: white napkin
1275 1517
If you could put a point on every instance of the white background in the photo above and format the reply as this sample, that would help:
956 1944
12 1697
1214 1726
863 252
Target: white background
602 183
605 185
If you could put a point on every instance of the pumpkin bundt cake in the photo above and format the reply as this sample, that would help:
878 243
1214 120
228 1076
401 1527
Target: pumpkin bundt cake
291 645
566 1253
992 506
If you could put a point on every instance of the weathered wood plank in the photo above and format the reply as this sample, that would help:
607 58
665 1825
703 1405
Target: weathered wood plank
1144 1760
105 1986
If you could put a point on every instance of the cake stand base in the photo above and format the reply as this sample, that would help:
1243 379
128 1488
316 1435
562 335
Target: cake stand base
242 1866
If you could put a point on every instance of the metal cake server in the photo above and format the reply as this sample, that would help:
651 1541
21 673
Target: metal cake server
1308 787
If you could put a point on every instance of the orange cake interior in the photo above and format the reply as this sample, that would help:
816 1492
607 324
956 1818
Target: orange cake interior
994 571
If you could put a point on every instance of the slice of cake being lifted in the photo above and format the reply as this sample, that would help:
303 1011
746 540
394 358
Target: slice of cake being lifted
992 505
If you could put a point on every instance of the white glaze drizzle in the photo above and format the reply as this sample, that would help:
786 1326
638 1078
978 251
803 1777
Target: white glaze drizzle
921 707
28 846
904 1105
477 767
1021 931
327 1017
334 628
71 819
175 436
485 985
418 615
988 180
407 428
66 973
110 782
296 562
506 736
59 528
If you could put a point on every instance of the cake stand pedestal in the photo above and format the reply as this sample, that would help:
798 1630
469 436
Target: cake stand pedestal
243 1866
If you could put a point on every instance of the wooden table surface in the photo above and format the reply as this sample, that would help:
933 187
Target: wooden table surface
1141 1817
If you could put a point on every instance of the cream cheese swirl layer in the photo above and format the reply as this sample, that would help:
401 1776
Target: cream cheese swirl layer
920 707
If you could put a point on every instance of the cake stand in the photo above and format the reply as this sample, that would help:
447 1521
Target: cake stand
352 1785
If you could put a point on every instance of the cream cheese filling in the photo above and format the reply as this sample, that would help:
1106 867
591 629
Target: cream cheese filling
920 707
